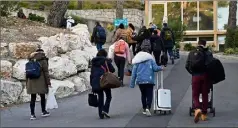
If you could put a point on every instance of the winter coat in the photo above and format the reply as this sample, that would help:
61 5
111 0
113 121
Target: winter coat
118 34
143 70
143 34
155 39
167 43
94 37
40 85
97 71
129 34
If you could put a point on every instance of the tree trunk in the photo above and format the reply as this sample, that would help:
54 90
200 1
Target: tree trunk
119 9
232 14
80 4
57 12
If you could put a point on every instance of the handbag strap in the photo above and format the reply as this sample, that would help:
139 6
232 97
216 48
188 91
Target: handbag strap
105 69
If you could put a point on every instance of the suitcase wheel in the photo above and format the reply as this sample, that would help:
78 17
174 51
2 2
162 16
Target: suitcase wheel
214 112
165 112
154 111
170 111
190 111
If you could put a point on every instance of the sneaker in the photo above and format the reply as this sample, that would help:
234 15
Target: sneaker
148 112
45 114
33 117
197 115
204 117
105 114
144 112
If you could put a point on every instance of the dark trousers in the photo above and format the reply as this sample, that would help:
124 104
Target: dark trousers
157 57
101 106
33 101
133 48
99 46
120 63
169 51
200 84
146 95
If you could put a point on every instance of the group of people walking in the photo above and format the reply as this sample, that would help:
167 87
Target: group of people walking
146 45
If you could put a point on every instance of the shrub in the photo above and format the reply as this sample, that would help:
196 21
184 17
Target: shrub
72 5
189 47
78 20
177 45
24 4
229 51
6 7
110 27
231 39
35 17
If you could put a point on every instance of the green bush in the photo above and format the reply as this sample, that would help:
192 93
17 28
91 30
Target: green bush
110 27
78 20
230 51
177 45
35 17
72 5
6 7
231 39
24 4
189 47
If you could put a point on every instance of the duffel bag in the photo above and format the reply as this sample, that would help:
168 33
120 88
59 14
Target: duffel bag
109 80
216 71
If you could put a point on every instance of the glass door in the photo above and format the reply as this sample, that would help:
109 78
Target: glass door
157 13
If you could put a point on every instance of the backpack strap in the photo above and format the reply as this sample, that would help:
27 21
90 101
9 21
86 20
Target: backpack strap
105 69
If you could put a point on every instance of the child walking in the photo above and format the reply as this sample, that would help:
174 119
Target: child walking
143 70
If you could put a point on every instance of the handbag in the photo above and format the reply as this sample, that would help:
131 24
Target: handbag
93 99
109 80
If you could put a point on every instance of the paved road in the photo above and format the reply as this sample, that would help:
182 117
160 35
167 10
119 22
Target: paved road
126 106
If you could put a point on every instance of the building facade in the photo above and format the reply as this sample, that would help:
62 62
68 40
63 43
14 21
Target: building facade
203 19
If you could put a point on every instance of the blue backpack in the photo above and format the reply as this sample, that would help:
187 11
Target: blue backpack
33 70
101 33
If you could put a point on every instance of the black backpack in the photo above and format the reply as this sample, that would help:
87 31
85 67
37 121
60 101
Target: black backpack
101 33
216 71
197 59
157 45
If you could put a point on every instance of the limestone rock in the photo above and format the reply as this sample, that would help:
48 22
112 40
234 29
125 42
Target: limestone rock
22 50
19 69
62 88
80 59
10 91
6 69
79 83
24 97
50 46
61 68
4 50
86 77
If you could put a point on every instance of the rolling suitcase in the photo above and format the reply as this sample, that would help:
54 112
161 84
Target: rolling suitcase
162 97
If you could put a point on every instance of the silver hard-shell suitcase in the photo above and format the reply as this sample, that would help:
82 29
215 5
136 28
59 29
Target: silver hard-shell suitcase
162 97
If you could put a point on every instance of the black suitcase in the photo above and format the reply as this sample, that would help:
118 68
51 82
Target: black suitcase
164 59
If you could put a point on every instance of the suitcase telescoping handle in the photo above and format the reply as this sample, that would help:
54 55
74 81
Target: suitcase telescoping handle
161 80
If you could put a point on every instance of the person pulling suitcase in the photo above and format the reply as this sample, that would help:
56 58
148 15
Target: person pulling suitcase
143 70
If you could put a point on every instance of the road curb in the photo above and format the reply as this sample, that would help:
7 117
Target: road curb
216 55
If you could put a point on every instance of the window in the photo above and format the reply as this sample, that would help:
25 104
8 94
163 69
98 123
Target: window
221 39
158 14
222 14
190 15
174 11
190 39
207 38
206 15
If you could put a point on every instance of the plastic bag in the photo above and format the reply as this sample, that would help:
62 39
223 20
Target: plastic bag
51 102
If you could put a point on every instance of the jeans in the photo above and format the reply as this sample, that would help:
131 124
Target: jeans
33 100
170 51
200 84
146 95
120 63
157 57
133 48
99 46
101 106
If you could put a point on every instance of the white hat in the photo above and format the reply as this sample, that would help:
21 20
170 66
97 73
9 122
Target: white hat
70 17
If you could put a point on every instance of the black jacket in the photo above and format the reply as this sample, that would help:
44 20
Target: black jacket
208 56
94 37
155 39
167 43
97 71
143 34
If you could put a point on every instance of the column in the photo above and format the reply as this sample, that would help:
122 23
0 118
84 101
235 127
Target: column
215 6
146 13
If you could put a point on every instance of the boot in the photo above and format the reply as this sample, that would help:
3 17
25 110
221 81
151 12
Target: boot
204 117
197 115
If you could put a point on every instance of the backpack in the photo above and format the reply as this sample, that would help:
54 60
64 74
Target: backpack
216 71
197 60
157 45
101 33
146 44
33 69
120 47
168 35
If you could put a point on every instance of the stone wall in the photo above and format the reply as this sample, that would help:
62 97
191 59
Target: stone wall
69 56
134 16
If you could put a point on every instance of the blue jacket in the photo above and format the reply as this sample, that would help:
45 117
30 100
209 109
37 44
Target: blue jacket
97 71
143 70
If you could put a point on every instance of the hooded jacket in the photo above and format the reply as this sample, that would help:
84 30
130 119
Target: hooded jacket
143 70
157 42
94 37
40 85
167 43
97 71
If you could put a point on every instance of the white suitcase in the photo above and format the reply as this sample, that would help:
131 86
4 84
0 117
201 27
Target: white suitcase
162 97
